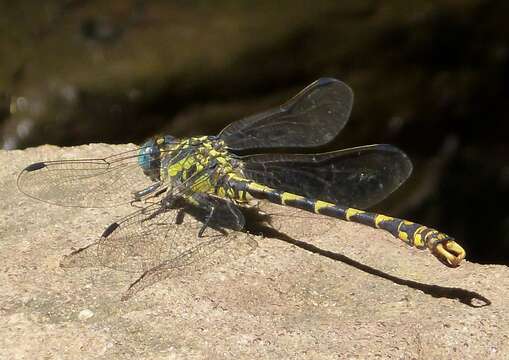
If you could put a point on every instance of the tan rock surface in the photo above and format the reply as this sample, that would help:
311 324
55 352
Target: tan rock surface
349 292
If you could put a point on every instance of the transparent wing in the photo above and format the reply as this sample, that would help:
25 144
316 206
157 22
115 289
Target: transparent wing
105 182
358 177
161 240
159 233
312 118
205 254
144 239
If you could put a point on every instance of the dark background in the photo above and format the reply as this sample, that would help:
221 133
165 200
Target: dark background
429 77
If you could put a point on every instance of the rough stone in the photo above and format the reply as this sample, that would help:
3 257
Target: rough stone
327 289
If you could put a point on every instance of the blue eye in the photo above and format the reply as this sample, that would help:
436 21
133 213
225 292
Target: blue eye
149 159
144 154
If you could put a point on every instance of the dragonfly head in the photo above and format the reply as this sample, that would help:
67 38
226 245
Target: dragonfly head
149 159
149 155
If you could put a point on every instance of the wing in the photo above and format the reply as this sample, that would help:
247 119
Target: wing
162 242
102 182
314 117
164 230
358 177
156 234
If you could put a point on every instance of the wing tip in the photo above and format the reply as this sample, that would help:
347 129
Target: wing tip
323 81
405 161
326 80
107 232
21 178
35 166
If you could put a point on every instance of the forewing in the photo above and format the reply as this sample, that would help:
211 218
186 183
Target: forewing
358 177
102 182
312 118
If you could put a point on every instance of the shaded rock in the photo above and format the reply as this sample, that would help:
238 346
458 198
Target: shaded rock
414 66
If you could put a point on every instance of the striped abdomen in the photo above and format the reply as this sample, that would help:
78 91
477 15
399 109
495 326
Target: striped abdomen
411 233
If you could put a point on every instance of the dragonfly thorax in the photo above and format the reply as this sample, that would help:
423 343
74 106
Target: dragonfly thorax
198 162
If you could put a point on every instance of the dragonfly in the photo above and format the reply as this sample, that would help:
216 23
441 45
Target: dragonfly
210 180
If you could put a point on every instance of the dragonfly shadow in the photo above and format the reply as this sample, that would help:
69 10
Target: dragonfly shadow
467 297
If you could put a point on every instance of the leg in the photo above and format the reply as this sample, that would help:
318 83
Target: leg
206 222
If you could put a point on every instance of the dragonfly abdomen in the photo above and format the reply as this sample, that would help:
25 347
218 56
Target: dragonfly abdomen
411 233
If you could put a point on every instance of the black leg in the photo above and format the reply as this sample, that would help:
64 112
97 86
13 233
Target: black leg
206 222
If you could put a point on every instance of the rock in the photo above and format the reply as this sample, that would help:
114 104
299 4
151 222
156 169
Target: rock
85 314
315 288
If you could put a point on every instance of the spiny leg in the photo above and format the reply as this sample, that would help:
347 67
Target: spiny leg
138 195
214 212
206 222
